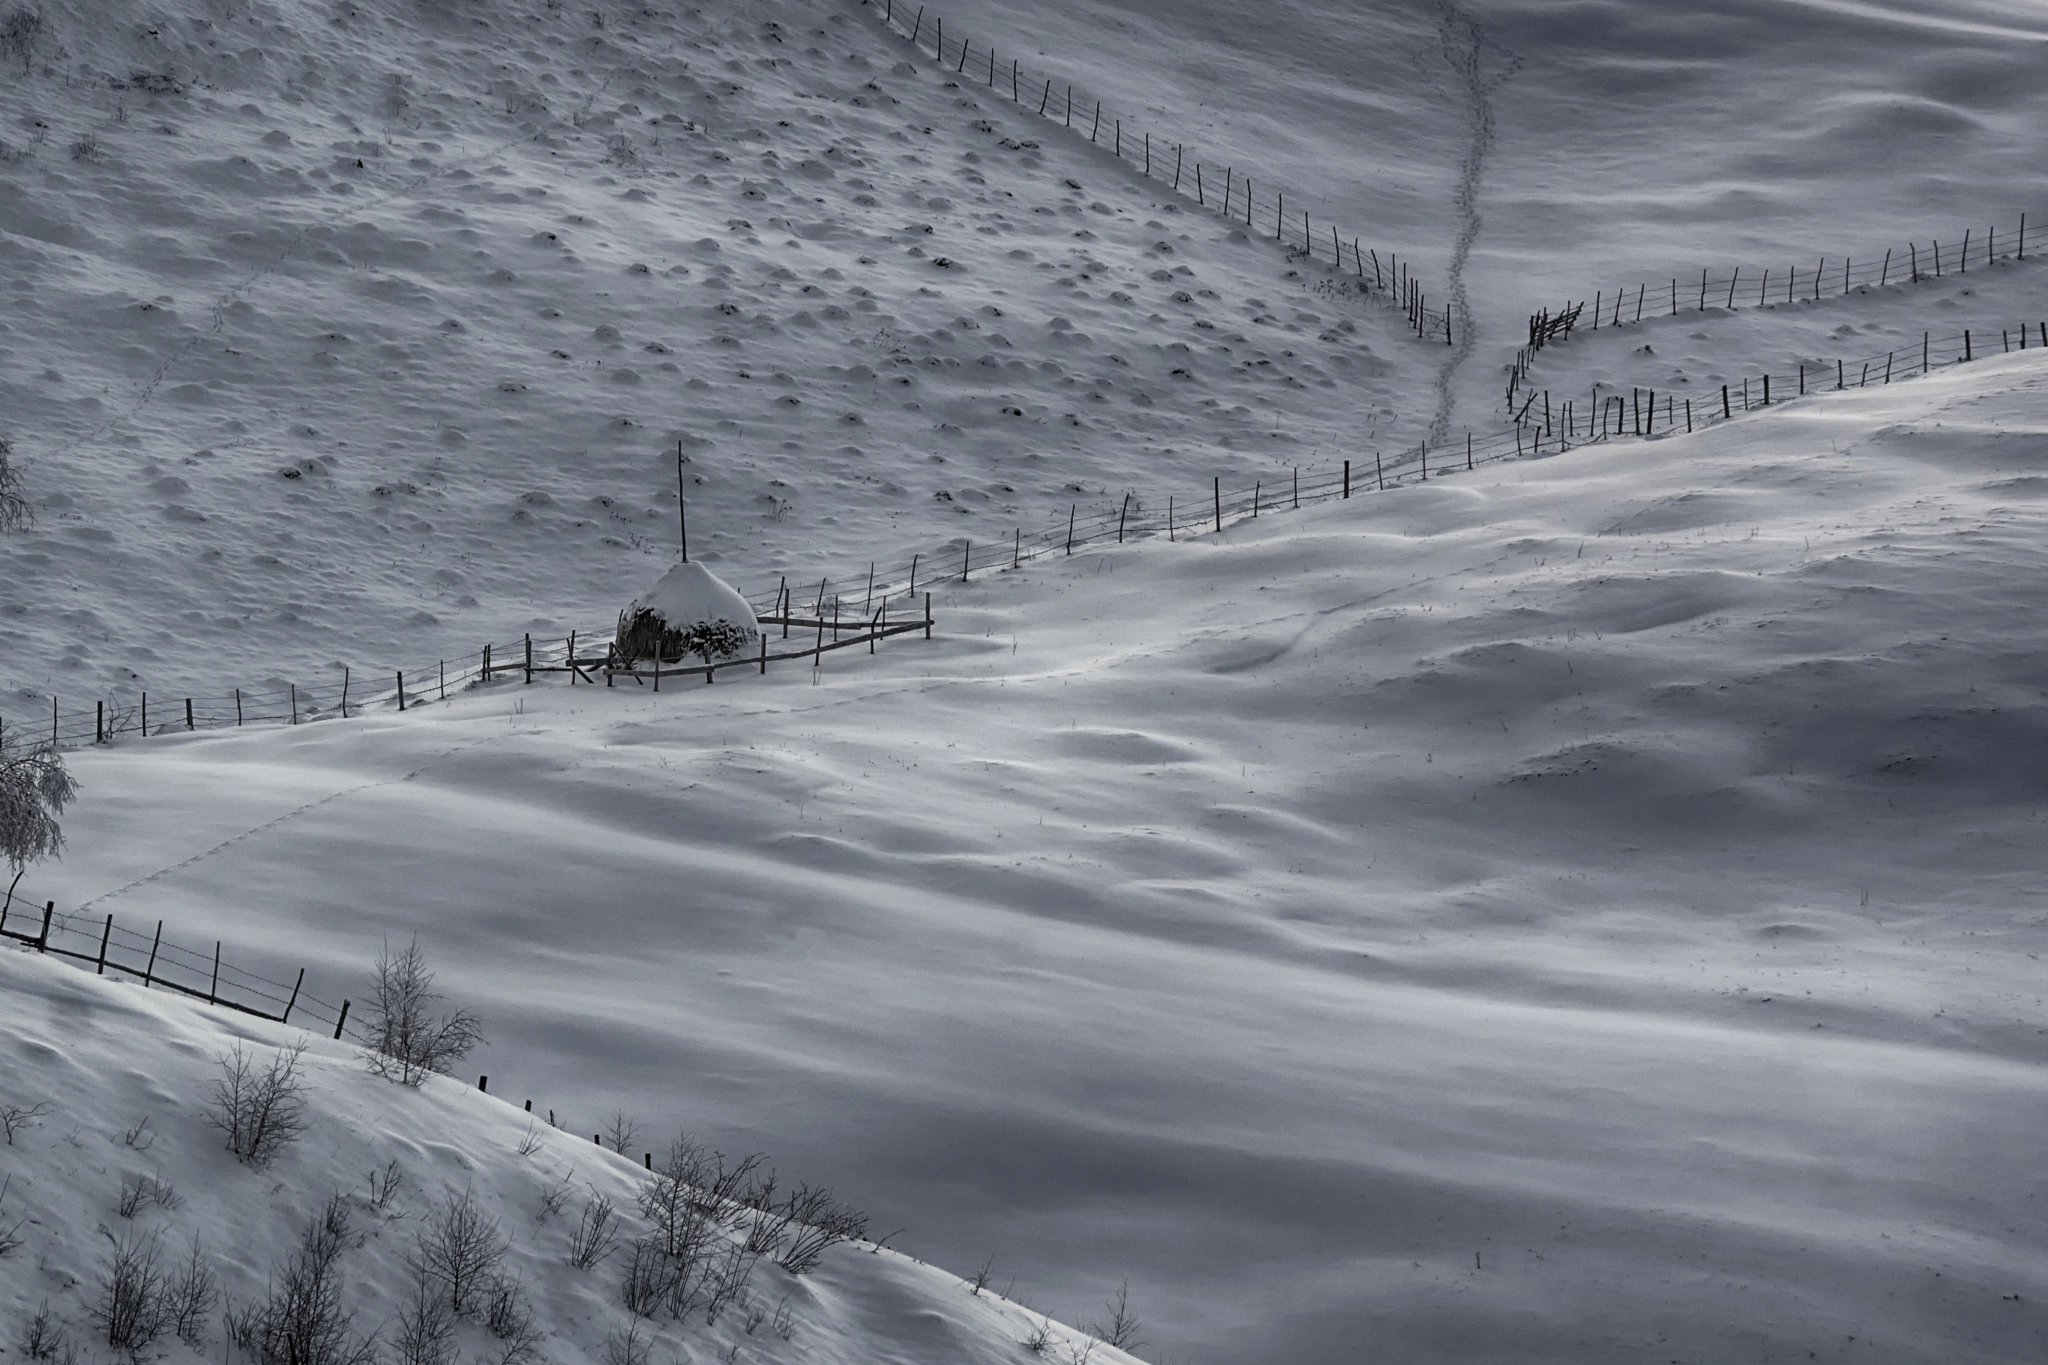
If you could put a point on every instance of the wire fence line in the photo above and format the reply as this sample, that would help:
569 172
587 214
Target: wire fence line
1260 205
146 956
1739 287
1557 425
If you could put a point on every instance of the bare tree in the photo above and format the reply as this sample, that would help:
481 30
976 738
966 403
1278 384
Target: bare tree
460 1249
260 1109
621 1131
408 1042
1121 1331
302 1321
16 512
34 790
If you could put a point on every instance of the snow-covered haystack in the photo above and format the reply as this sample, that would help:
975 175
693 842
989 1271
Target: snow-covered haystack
691 611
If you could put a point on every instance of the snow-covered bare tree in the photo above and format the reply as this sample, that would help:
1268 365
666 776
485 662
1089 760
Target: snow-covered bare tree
34 789
408 1041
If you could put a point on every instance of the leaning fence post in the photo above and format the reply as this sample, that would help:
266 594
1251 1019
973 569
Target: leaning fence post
285 1018
213 989
105 934
1071 510
150 970
344 694
43 939
1120 519
338 1023
1725 412
966 560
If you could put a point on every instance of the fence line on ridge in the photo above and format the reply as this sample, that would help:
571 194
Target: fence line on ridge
1830 277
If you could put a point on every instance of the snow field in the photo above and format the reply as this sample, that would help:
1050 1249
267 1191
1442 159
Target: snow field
104 1057
385 331
1625 943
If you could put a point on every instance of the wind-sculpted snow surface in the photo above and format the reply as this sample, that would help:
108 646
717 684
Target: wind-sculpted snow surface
1617 940
384 328
113 1142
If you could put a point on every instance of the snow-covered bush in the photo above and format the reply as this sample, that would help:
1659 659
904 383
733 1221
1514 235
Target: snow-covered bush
34 789
408 1042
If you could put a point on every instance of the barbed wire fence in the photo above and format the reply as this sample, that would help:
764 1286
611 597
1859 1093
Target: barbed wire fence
1258 204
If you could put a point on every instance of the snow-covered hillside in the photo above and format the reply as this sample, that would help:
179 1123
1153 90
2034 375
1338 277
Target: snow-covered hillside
112 1148
1627 941
356 336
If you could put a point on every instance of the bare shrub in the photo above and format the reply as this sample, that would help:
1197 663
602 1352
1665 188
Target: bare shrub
385 1185
131 1307
509 1318
408 1042
630 1347
1040 1339
529 1142
1121 1331
88 147
460 1249
34 790
190 1295
821 1224
650 1275
42 1336
19 33
261 1109
139 1137
10 1233
596 1233
302 1321
137 1190
16 512
783 1324
553 1199
426 1329
15 1117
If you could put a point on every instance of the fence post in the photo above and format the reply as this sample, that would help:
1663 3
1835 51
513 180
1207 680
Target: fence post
1379 476
238 706
1347 478
1923 352
188 713
149 971
1966 353
401 692
344 694
1120 516
1725 411
145 715
105 934
43 939
1216 485
764 650
1071 510
99 722
213 988
529 658
966 560
285 1018
338 1023
927 616
295 703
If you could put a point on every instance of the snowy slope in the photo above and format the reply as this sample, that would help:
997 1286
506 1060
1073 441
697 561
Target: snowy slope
127 1079
379 339
1626 948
